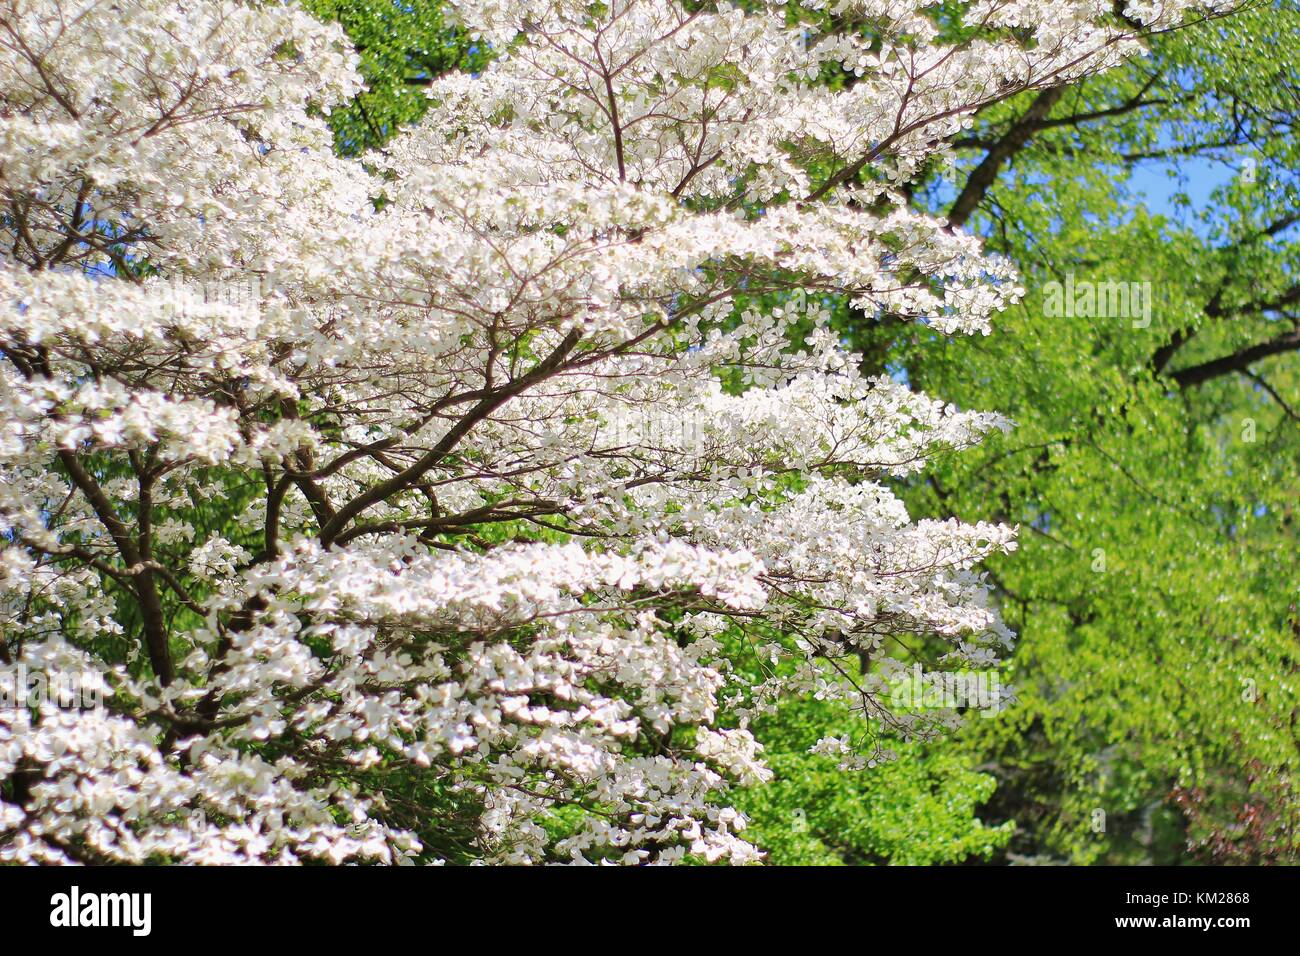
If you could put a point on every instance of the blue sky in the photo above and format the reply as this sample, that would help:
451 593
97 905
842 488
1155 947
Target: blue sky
1198 178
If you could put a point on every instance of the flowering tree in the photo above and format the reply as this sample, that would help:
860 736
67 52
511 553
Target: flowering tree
468 469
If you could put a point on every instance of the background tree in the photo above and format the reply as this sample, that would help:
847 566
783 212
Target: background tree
1153 470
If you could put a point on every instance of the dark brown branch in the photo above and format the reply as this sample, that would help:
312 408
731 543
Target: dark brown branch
1013 141
155 628
1263 383
485 407
1237 361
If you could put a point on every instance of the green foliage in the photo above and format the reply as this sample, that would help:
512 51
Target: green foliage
402 47
1157 570
921 808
